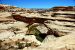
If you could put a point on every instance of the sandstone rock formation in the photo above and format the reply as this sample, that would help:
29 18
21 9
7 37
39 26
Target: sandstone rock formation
40 29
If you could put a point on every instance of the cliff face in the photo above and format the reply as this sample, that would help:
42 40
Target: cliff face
63 8
2 8
34 30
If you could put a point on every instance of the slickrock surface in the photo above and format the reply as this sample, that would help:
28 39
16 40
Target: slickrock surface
61 43
26 29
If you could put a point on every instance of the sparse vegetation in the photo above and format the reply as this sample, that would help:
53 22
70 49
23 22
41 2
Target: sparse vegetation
20 45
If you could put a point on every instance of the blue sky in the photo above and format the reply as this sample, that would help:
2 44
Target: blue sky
38 3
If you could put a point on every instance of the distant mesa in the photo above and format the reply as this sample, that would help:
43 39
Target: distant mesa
56 8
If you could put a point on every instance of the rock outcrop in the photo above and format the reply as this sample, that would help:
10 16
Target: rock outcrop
27 29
